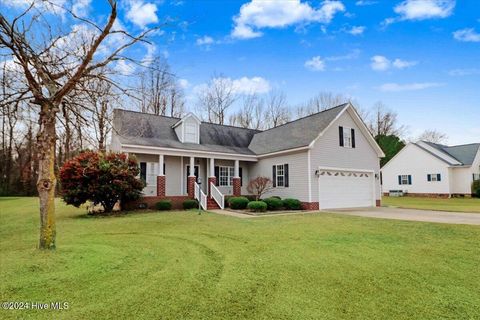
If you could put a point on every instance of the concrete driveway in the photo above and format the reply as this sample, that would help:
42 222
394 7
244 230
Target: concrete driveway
413 215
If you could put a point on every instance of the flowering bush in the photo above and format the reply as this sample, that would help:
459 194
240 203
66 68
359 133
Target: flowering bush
103 178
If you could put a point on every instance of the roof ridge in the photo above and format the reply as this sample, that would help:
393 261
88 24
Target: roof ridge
147 113
461 145
310 115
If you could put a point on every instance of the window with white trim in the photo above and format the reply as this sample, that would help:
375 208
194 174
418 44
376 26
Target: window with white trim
434 177
191 131
347 137
404 179
225 176
280 175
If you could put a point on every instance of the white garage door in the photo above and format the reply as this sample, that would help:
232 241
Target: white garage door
345 189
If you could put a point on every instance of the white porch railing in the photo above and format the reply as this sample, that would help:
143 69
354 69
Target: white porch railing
217 196
200 196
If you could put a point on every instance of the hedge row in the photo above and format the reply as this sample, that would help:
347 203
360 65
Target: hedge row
271 203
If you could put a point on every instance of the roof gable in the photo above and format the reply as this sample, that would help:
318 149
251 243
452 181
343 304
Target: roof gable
461 154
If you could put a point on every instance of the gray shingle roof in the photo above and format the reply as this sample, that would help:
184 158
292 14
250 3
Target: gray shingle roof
151 130
294 134
144 129
463 153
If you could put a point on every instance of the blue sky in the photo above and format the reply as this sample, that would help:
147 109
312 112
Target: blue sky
420 57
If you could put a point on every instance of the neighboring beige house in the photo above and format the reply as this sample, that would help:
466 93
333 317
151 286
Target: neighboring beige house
425 168
326 160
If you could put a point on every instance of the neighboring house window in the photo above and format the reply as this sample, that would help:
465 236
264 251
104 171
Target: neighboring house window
434 177
476 176
190 133
226 176
346 137
404 179
280 175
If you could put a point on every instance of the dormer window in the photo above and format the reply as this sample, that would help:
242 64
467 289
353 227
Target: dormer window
188 129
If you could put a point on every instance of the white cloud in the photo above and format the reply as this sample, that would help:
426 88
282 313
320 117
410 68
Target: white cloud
183 83
395 87
81 8
259 14
205 41
356 30
402 64
142 14
467 35
243 85
251 85
315 64
381 63
421 10
365 3
425 9
464 72
124 68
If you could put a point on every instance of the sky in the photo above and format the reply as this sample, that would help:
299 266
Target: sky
421 58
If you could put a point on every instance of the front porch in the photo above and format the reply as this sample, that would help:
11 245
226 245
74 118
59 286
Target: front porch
179 176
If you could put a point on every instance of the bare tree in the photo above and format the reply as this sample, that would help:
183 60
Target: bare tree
322 101
216 97
277 112
259 186
53 64
384 122
433 136
251 113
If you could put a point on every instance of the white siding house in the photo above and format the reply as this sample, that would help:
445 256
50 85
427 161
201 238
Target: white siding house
326 160
424 168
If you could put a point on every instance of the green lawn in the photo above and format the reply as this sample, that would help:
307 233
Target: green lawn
181 265
453 204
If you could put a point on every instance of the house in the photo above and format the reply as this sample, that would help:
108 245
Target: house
326 160
430 169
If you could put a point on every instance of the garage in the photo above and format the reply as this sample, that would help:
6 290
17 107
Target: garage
345 189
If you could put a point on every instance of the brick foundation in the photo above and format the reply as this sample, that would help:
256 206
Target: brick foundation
378 203
191 186
310 206
237 187
177 202
211 180
160 186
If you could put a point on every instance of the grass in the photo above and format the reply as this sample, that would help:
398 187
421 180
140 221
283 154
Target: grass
180 265
452 204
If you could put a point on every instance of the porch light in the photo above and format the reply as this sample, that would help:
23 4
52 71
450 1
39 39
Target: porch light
317 173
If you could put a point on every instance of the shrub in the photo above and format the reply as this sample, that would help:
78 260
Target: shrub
238 202
292 204
257 206
190 204
276 197
476 188
273 203
102 178
163 205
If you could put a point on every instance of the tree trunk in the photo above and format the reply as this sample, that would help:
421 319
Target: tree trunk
46 175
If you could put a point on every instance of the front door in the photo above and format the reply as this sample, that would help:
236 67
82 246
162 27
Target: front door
187 174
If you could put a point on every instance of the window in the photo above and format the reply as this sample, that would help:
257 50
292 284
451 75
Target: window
280 175
434 177
404 179
225 176
191 133
346 137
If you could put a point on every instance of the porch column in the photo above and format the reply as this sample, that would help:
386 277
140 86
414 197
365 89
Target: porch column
237 185
191 179
161 177
211 175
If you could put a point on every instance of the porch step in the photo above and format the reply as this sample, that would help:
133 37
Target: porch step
212 204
